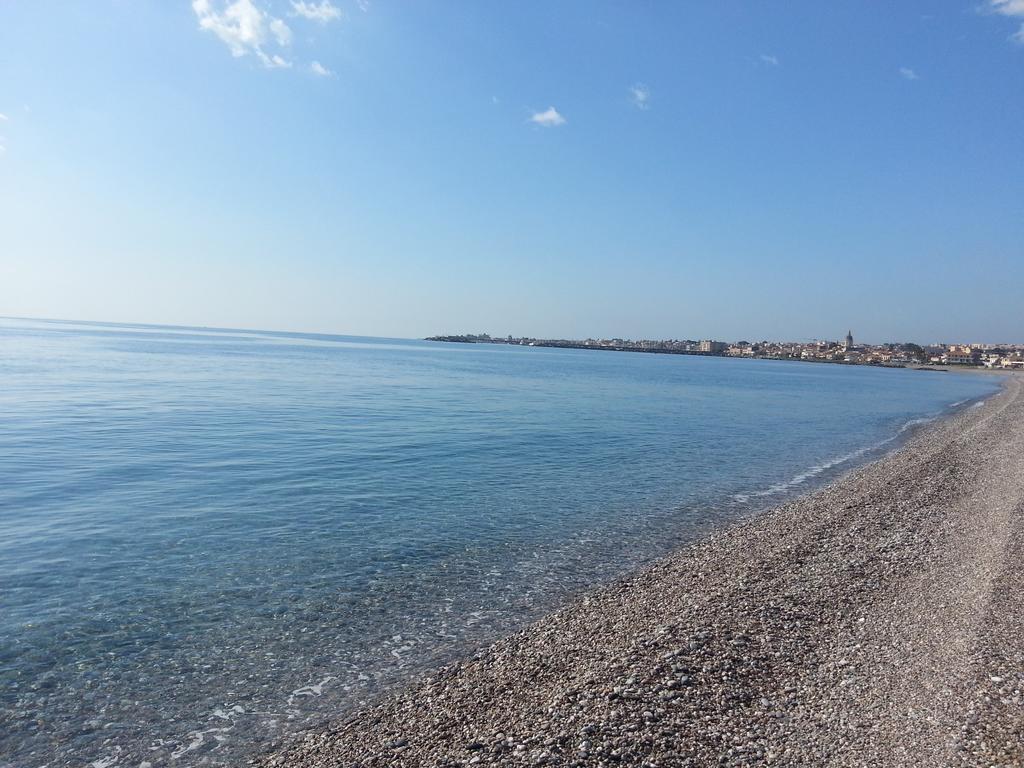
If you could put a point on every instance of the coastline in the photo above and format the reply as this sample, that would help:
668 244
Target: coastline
871 622
646 348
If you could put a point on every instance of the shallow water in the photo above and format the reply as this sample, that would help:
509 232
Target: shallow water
214 538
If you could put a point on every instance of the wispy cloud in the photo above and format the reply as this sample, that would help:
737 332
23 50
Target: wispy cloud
319 69
770 60
549 118
364 5
3 118
1013 9
908 74
244 29
640 95
321 12
281 32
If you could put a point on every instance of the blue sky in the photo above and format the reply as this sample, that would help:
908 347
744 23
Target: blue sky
714 169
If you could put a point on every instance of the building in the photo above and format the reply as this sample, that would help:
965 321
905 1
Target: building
714 347
849 341
959 357
740 349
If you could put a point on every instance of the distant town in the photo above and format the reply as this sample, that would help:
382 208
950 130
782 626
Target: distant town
1003 356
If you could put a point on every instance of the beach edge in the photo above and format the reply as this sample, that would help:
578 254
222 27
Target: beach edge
580 687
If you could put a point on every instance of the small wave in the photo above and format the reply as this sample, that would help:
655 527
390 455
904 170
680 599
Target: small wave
199 738
817 469
958 402
978 404
910 425
314 689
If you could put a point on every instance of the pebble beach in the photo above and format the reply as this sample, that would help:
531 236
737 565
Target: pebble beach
876 622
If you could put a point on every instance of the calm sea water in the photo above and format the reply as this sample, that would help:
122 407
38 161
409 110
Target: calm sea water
211 539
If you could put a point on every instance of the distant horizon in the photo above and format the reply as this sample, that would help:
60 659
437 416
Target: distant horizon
749 339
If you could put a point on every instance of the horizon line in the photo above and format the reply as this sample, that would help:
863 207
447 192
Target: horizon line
190 327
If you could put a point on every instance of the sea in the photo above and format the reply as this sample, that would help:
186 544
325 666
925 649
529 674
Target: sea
212 539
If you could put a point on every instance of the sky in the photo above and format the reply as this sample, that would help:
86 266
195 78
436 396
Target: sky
718 169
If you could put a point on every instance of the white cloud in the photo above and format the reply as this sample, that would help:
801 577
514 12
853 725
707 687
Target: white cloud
321 12
319 69
244 29
1012 8
908 74
770 60
364 5
640 95
3 118
549 118
281 32
1008 7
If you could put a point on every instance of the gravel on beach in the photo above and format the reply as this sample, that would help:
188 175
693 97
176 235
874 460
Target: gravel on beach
877 622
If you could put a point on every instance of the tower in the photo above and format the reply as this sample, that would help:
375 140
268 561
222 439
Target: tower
849 341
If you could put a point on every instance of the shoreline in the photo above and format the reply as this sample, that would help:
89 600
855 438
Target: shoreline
870 622
916 365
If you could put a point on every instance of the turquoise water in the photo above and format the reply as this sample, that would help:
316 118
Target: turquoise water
214 538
